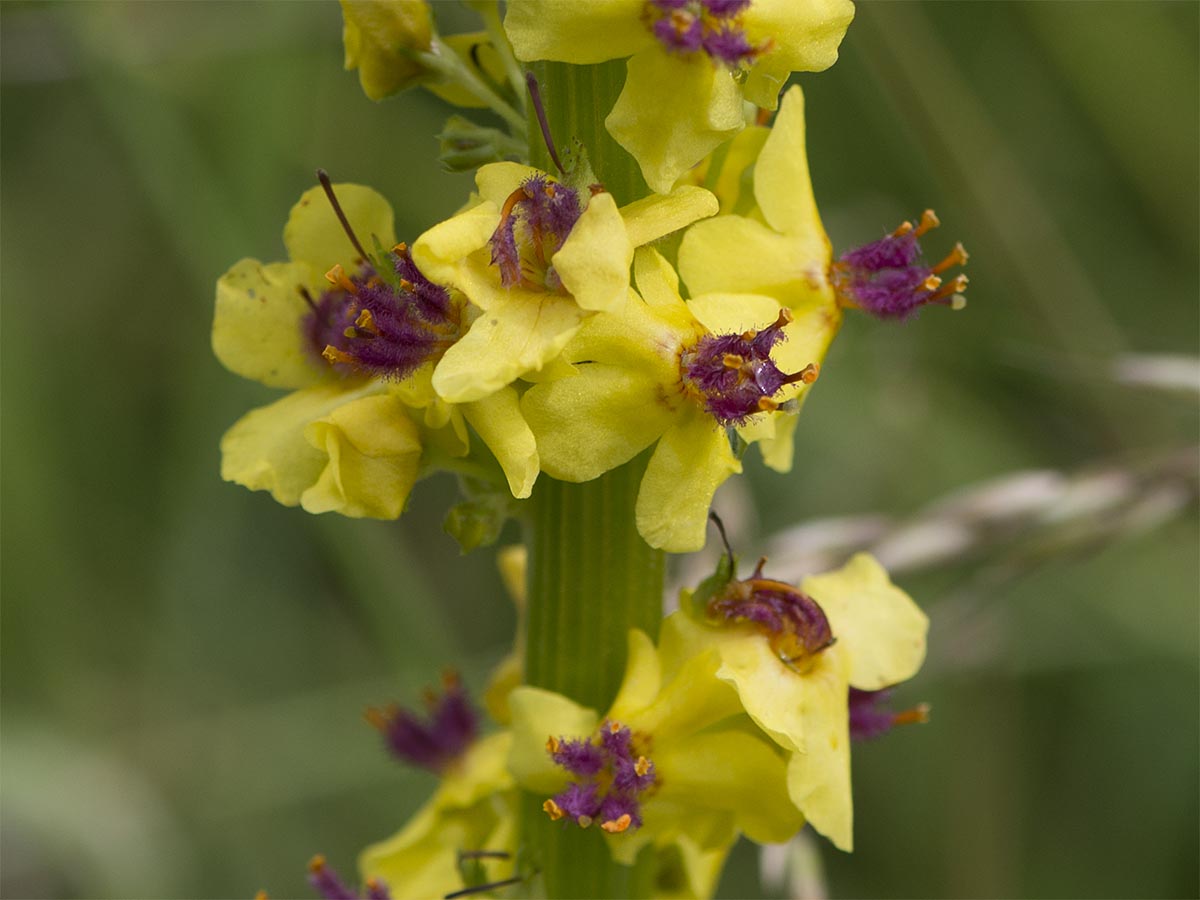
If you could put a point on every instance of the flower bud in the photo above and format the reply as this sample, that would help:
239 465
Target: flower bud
382 40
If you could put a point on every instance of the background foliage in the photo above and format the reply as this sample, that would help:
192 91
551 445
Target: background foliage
185 663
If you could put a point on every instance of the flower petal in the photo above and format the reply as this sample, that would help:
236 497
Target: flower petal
258 325
691 461
819 777
730 253
496 181
265 450
567 32
726 313
501 426
313 234
658 215
374 451
446 253
804 38
537 715
733 771
782 184
673 112
643 677
519 332
880 627
603 417
594 261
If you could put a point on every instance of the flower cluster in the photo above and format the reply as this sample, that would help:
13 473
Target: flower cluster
551 329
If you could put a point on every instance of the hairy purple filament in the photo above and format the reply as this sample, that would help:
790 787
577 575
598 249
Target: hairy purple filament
382 327
711 27
794 622
734 375
534 223
612 777
889 278
328 884
434 744
869 718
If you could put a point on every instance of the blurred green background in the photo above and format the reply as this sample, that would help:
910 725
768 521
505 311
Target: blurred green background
185 663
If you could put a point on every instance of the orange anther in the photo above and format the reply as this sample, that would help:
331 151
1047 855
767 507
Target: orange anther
956 257
766 404
929 220
553 810
334 355
552 744
642 766
932 283
732 361
616 826
918 715
366 322
337 277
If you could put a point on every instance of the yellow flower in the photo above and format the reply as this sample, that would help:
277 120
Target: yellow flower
344 441
667 765
783 250
381 39
679 374
537 262
691 63
474 808
792 657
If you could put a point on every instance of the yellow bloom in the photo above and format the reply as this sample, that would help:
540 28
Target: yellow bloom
343 441
475 808
679 374
536 285
667 765
793 655
691 63
381 38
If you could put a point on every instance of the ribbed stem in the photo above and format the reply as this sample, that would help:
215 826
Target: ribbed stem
591 577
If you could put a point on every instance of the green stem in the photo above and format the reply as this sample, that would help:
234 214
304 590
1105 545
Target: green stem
591 577
445 61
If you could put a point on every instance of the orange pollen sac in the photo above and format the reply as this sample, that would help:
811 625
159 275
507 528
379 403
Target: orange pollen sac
642 766
616 826
552 744
337 277
334 355
553 810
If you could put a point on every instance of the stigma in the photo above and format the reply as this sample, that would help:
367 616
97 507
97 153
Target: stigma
710 27
611 778
889 278
733 376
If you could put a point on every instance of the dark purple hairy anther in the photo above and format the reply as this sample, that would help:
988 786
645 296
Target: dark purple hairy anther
534 224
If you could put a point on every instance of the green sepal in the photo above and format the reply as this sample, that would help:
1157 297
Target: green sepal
466 146
478 520
579 175
695 602
381 262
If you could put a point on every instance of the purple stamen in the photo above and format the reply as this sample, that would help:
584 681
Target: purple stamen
714 27
329 885
371 326
436 744
734 375
869 718
890 279
794 622
612 779
534 224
